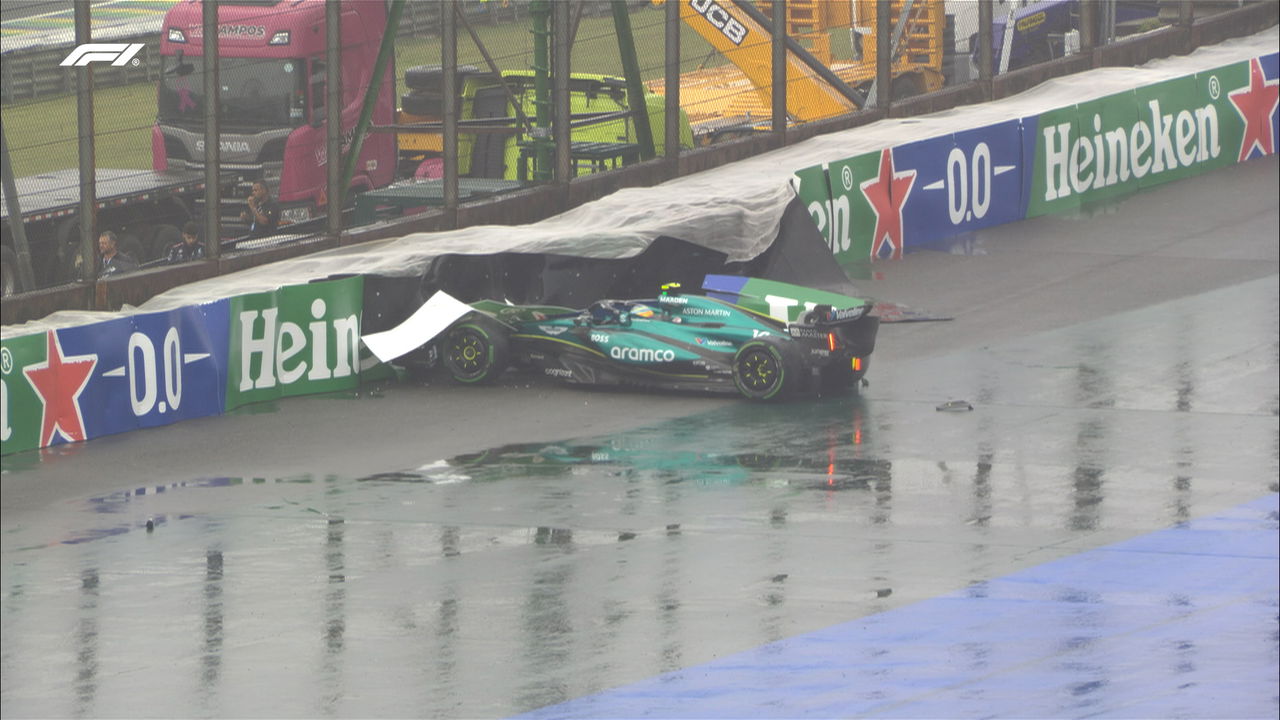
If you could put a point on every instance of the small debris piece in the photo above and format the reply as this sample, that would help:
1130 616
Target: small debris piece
955 406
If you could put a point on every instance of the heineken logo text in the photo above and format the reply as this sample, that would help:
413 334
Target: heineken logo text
279 347
1106 158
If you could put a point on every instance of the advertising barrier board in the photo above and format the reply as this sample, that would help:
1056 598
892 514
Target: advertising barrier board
83 382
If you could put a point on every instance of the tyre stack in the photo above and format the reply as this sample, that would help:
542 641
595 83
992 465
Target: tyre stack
425 100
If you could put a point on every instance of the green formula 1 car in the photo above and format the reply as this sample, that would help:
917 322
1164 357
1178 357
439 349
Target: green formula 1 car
766 340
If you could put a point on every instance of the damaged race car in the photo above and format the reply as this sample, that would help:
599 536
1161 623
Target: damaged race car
766 340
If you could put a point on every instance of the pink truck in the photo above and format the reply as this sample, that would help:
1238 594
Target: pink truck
272 118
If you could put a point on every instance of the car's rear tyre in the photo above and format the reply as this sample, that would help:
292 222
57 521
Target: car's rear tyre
476 352
766 369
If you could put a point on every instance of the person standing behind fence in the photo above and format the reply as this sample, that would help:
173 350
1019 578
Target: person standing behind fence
263 213
190 248
114 262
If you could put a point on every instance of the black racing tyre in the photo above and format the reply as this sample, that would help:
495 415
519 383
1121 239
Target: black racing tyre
426 104
766 369
476 352
431 77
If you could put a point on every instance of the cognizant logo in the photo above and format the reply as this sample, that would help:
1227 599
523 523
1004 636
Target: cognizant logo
118 54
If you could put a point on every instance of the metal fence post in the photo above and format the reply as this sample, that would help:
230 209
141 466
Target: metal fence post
986 33
84 125
671 85
212 133
778 56
884 55
335 196
560 110
449 87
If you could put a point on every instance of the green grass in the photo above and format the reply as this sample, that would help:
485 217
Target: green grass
42 133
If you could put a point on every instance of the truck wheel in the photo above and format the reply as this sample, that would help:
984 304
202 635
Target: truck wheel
766 369
476 352
8 271
130 245
165 237
66 267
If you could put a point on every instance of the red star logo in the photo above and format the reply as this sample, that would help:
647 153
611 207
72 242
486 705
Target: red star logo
887 193
59 382
1256 104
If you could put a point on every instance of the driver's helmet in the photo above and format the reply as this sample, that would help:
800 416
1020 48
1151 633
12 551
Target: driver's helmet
642 311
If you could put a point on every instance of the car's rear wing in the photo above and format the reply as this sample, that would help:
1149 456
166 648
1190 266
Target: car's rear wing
784 301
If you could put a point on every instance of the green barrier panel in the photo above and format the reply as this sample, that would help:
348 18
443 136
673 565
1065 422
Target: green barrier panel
1105 167
815 192
1055 166
1175 131
848 177
297 340
20 407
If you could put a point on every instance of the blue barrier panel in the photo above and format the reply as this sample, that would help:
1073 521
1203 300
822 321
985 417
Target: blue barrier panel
104 399
178 364
923 189
143 371
965 182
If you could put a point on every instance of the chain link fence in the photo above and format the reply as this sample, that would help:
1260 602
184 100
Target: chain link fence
148 115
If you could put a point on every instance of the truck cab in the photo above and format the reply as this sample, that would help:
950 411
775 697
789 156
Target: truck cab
271 79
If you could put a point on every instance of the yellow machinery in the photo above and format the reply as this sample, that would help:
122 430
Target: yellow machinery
731 98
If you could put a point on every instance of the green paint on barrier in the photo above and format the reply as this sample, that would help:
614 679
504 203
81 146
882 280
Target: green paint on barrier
20 405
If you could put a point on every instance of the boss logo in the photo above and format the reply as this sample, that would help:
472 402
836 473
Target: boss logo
721 19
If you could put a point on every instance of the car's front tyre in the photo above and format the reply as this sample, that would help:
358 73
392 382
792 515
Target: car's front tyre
476 352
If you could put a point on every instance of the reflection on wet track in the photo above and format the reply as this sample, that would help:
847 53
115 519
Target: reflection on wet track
945 563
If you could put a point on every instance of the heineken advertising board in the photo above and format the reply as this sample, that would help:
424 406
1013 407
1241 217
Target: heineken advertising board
83 382
297 340
876 205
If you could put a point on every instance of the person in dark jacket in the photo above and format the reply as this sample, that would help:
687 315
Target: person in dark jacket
114 262
263 214
190 248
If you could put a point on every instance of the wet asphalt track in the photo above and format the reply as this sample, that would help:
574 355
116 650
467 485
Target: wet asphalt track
1096 538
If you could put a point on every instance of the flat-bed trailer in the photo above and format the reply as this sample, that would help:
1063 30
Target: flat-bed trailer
145 208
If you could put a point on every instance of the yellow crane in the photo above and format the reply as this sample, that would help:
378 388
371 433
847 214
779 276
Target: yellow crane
732 97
